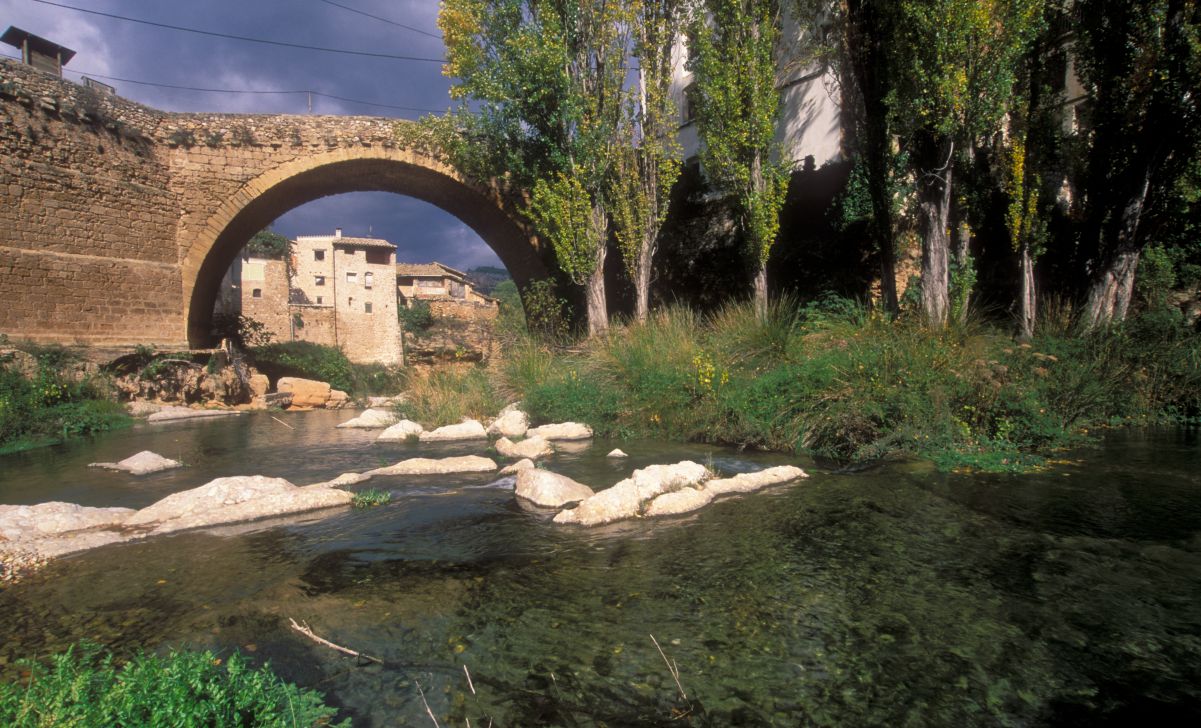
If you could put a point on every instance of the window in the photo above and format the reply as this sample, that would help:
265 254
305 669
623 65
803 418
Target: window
318 255
426 283
257 293
351 251
367 279
688 105
350 302
352 277
367 307
318 280
319 301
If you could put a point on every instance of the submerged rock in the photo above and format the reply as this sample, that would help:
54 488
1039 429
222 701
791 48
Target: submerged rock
371 419
511 423
517 467
438 466
465 430
750 482
141 464
401 431
628 498
532 448
239 498
170 414
562 431
549 490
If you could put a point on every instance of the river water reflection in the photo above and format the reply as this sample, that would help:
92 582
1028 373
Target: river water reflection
895 596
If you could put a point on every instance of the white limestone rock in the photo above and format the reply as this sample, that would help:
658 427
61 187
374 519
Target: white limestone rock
512 423
750 482
401 432
549 490
628 498
562 431
681 501
234 499
617 453
517 467
141 464
30 523
344 479
371 419
437 466
532 448
465 430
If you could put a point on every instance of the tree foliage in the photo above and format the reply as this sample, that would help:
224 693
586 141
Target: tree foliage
737 108
269 244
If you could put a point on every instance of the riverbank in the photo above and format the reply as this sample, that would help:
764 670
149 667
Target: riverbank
834 380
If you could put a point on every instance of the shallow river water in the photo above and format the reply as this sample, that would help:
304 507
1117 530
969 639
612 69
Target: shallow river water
892 596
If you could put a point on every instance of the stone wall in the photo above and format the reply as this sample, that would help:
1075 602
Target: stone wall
120 220
316 323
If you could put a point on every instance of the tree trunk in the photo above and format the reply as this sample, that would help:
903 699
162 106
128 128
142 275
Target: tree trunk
594 292
934 204
642 282
761 291
963 259
1028 302
1113 281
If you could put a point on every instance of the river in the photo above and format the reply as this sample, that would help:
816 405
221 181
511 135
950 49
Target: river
891 596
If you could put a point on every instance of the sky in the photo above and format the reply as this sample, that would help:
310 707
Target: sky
137 52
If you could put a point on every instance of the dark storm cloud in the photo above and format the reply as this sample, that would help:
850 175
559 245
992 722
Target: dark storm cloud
111 47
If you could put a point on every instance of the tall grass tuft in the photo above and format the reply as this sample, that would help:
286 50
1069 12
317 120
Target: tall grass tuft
446 396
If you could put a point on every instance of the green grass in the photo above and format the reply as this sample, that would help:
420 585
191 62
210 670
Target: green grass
371 497
86 687
446 396
834 380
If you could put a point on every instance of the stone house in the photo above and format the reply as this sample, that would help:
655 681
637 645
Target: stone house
335 290
435 282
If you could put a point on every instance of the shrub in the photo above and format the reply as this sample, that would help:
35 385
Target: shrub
307 360
54 403
242 330
415 319
85 687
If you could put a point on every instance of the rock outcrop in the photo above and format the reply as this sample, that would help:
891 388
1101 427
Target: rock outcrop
750 482
371 419
532 448
437 466
401 432
550 490
562 431
239 498
511 423
305 392
681 501
517 467
142 463
465 430
629 497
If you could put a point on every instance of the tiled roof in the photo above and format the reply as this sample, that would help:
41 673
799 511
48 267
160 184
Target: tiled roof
363 242
429 270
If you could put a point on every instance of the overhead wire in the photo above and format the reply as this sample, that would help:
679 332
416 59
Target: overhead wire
381 19
264 92
247 39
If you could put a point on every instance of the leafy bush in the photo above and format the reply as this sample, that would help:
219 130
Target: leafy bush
415 319
242 330
85 687
304 359
53 404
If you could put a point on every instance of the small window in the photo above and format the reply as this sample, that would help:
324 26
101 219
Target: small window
367 279
352 277
350 302
351 251
257 293
318 255
319 300
367 307
318 280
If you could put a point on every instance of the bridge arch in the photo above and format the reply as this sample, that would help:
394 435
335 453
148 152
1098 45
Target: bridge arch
264 198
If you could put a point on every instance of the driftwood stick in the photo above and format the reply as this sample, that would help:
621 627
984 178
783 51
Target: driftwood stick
429 712
671 667
304 630
285 424
469 683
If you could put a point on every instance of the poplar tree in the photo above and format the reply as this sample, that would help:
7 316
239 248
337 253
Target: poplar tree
648 161
733 55
953 64
546 80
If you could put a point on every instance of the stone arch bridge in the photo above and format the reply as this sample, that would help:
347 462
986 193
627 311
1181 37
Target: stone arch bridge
118 220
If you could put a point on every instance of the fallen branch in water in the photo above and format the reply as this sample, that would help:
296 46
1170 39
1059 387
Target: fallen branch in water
672 668
307 632
427 705
285 424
